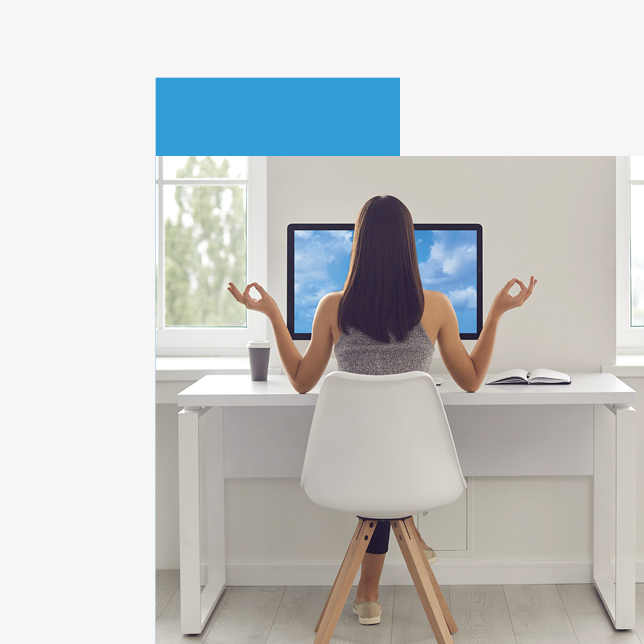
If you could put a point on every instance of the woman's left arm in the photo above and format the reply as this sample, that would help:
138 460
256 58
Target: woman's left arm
304 372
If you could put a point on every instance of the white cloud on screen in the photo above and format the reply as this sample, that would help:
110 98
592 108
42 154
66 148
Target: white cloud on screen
343 238
449 264
308 277
464 298
312 260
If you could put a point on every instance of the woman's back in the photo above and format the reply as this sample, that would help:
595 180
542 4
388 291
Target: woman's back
356 352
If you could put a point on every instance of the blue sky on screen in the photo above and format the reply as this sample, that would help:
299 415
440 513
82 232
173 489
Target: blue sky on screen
446 260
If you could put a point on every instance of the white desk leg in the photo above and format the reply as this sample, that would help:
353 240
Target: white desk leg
196 606
216 517
615 587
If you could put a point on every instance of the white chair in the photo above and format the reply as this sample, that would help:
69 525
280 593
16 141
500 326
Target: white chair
380 447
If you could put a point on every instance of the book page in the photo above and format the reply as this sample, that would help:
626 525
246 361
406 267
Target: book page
516 374
549 374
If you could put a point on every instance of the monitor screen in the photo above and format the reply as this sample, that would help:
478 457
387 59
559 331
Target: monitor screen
449 260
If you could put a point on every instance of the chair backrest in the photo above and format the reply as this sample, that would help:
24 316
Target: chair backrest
381 447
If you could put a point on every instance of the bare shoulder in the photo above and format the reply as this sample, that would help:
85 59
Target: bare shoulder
438 312
436 299
329 304
331 299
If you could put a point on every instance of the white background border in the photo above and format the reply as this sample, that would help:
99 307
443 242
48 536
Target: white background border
77 246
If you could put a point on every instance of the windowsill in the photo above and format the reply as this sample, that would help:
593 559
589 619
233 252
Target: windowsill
626 366
178 369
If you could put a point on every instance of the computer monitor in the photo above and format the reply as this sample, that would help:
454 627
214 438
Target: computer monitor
450 259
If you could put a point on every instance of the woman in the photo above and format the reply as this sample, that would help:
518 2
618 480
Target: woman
384 322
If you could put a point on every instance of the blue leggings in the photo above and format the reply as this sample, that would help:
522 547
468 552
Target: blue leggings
379 543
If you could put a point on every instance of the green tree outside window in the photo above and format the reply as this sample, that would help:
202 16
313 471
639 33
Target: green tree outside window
205 248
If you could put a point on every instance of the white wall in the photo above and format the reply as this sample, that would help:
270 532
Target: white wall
551 217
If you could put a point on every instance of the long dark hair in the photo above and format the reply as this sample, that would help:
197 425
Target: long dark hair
383 293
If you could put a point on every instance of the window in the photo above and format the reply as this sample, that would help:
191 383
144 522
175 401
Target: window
211 230
630 254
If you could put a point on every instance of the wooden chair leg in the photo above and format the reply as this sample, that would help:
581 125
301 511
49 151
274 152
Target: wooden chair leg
344 581
335 583
447 614
414 557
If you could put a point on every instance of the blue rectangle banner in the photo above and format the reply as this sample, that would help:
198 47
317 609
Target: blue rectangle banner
278 116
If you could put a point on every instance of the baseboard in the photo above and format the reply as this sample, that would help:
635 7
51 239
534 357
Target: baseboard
454 573
448 572
451 573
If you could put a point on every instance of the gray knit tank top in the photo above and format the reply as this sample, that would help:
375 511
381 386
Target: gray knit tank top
356 352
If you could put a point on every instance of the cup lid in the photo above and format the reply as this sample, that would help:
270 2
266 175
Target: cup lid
258 343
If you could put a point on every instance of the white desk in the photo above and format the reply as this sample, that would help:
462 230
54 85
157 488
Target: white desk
201 476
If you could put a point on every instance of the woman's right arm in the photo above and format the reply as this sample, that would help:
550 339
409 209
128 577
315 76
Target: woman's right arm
469 370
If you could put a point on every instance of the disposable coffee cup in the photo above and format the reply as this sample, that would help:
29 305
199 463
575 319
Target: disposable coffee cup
258 352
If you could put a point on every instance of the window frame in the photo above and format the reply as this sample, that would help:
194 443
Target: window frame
222 341
630 340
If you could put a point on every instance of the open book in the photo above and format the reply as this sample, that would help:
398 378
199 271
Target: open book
536 377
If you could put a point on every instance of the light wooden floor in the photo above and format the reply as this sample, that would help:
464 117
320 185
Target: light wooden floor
566 614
